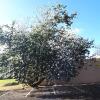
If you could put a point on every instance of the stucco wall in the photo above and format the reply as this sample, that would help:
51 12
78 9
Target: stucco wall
90 74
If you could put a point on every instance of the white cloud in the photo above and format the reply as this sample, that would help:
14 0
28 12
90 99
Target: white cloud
75 30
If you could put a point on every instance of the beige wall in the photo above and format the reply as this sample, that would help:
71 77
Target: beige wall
90 74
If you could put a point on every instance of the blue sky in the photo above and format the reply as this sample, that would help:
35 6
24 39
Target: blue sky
87 21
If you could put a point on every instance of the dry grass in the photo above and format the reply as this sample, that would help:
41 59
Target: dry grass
3 84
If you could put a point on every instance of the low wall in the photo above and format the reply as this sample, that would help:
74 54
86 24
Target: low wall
90 73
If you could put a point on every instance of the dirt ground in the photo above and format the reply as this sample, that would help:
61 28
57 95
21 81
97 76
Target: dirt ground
16 95
21 95
46 94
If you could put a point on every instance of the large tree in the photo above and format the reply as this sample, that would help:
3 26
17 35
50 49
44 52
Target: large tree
49 51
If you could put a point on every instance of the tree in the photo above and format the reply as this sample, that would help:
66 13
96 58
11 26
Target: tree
48 52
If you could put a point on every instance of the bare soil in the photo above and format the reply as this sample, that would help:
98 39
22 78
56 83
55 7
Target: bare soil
87 92
21 95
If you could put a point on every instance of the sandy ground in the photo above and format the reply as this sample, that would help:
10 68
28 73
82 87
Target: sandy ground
21 95
39 95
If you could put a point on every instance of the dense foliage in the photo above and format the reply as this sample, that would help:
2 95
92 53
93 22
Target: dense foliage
48 51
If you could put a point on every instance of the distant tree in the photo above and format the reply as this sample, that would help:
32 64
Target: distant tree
48 51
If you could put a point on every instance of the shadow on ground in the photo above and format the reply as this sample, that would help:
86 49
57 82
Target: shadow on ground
79 92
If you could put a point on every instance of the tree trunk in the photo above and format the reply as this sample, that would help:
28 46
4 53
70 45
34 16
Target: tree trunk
35 84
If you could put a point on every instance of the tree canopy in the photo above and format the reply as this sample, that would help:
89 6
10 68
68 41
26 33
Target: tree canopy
48 51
